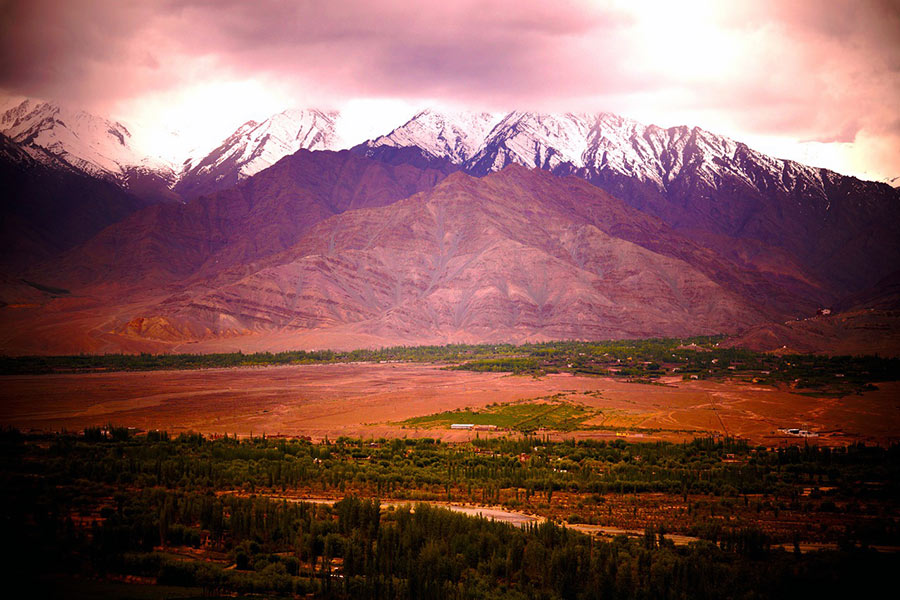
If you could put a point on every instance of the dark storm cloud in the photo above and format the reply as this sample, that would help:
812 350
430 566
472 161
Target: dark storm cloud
104 49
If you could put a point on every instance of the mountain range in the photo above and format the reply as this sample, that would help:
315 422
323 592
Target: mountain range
453 227
759 210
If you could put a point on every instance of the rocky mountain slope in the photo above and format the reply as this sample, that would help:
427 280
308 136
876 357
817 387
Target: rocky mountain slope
46 210
867 322
518 255
165 244
853 332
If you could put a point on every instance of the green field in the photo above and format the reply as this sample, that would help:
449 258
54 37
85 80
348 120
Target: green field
553 412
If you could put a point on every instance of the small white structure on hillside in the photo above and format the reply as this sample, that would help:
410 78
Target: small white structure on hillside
798 432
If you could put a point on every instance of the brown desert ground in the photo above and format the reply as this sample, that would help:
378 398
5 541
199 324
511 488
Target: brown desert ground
370 400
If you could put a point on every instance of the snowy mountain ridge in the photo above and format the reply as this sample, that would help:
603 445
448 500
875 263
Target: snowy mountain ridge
257 146
587 145
57 137
456 136
598 147
64 138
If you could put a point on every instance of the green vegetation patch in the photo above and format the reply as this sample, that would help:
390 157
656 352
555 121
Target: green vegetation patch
202 517
553 412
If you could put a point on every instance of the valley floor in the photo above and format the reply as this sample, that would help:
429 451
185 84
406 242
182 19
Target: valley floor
378 400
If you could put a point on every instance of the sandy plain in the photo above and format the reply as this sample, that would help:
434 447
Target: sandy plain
369 400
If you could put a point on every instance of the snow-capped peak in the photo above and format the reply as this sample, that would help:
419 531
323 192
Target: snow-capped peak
452 135
535 140
592 145
87 142
256 146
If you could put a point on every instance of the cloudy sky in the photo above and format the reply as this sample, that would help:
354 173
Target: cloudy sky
817 80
